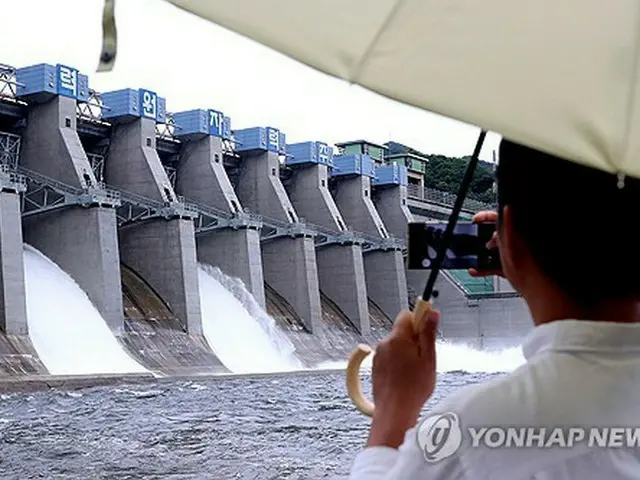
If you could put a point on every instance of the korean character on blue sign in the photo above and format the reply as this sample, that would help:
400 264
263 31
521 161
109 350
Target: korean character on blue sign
148 104
216 123
324 153
67 81
273 139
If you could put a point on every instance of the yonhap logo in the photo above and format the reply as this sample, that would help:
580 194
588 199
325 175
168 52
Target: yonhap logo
439 436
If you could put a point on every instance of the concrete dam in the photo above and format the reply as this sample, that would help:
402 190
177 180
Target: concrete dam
179 237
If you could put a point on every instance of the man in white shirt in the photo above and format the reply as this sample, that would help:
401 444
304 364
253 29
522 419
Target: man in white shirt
569 246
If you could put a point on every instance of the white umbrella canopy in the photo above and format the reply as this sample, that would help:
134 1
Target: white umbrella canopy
556 75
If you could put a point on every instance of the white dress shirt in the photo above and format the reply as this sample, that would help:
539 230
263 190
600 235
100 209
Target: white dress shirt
578 374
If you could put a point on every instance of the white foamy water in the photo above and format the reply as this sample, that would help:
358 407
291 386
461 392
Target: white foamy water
453 357
67 331
456 357
241 334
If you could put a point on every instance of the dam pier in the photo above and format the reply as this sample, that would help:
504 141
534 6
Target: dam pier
132 201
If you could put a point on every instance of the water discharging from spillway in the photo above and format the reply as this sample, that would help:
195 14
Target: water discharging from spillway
242 335
67 331
453 357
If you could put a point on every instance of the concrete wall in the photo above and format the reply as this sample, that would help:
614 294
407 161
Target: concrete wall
82 242
391 203
299 284
309 193
489 322
384 271
502 284
260 190
238 254
340 267
162 251
164 254
353 197
133 164
51 146
13 307
341 275
386 281
201 178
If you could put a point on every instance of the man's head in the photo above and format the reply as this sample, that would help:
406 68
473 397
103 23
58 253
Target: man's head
567 227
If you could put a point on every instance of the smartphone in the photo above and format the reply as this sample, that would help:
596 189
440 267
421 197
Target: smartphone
468 248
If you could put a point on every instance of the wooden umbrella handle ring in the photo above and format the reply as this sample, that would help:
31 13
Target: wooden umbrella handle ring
362 351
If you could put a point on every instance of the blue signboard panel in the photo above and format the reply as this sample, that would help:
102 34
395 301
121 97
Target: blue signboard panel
216 123
191 122
67 81
161 117
391 175
210 122
404 175
283 144
353 164
71 83
148 104
261 138
273 139
368 166
310 152
120 103
52 80
134 103
325 154
226 128
254 138
301 153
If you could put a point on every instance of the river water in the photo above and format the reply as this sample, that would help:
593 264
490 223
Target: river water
276 427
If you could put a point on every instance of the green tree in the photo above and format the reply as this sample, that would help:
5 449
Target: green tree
446 173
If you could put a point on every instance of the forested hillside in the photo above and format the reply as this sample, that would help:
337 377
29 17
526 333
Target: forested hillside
445 173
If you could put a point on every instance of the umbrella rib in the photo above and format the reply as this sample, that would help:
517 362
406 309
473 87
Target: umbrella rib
633 91
353 77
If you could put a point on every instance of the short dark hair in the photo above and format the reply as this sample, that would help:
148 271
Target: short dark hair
581 228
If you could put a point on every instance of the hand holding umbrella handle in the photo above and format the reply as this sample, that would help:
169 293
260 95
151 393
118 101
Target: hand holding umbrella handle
362 351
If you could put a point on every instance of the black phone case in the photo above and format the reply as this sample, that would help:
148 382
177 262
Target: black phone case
467 248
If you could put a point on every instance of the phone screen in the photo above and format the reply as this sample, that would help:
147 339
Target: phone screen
468 247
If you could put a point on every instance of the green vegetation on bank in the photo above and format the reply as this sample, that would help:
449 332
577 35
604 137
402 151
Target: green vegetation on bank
445 173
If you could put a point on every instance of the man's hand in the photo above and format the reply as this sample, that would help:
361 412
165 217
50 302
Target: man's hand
404 377
487 216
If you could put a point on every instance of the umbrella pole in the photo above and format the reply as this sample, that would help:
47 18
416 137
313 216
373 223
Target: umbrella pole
455 213
423 304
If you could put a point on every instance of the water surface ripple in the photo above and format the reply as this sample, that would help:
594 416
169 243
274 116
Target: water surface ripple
281 427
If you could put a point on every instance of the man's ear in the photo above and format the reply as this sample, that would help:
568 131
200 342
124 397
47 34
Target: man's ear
507 240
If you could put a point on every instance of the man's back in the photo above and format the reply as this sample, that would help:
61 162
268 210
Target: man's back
580 382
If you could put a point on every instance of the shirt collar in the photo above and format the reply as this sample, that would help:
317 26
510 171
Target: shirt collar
582 336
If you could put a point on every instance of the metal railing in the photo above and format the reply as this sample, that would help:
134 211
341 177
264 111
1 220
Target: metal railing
12 180
65 188
167 130
9 149
389 243
446 199
8 82
470 285
178 207
93 109
281 228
